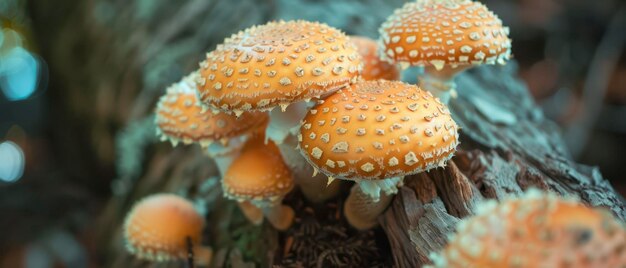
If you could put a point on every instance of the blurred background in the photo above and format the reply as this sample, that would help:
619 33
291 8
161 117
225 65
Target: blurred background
76 77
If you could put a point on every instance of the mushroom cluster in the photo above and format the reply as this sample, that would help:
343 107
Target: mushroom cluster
536 230
343 115
279 64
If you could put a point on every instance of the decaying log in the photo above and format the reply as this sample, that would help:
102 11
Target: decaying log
507 146
111 59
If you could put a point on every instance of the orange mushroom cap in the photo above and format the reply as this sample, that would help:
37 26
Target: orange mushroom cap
258 174
373 67
277 63
444 32
376 130
157 227
180 118
537 230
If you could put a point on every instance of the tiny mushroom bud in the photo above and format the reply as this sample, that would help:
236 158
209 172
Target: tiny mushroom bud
260 176
445 36
287 64
373 67
179 118
162 227
392 140
536 230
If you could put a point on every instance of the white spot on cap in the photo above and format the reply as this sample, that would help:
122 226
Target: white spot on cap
367 167
340 147
316 153
410 159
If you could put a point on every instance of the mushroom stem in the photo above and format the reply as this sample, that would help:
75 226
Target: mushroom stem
361 210
314 188
286 122
372 188
280 216
252 213
440 82
223 162
202 256
223 155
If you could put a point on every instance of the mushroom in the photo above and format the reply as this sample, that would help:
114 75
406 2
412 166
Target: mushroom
446 37
536 230
373 67
260 179
375 133
277 64
179 118
282 64
164 227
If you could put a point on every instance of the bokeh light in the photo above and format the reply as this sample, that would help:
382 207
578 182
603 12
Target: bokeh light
11 162
19 69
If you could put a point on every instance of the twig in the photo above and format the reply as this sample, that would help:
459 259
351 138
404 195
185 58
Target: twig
190 260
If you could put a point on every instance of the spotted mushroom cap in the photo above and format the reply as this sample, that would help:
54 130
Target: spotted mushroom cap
258 174
376 130
180 118
373 67
277 63
444 32
157 227
537 230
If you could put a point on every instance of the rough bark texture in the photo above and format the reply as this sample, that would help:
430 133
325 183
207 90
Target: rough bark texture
507 147
110 60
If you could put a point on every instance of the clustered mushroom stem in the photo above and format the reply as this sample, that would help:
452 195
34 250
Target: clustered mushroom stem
285 122
223 162
252 213
373 188
362 211
279 215
314 188
440 82
224 155
440 89
202 256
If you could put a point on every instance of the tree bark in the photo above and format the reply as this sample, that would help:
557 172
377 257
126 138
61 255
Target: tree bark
507 146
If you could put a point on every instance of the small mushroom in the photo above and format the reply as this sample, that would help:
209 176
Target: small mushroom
446 37
179 118
260 177
279 65
536 230
375 133
165 227
373 67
